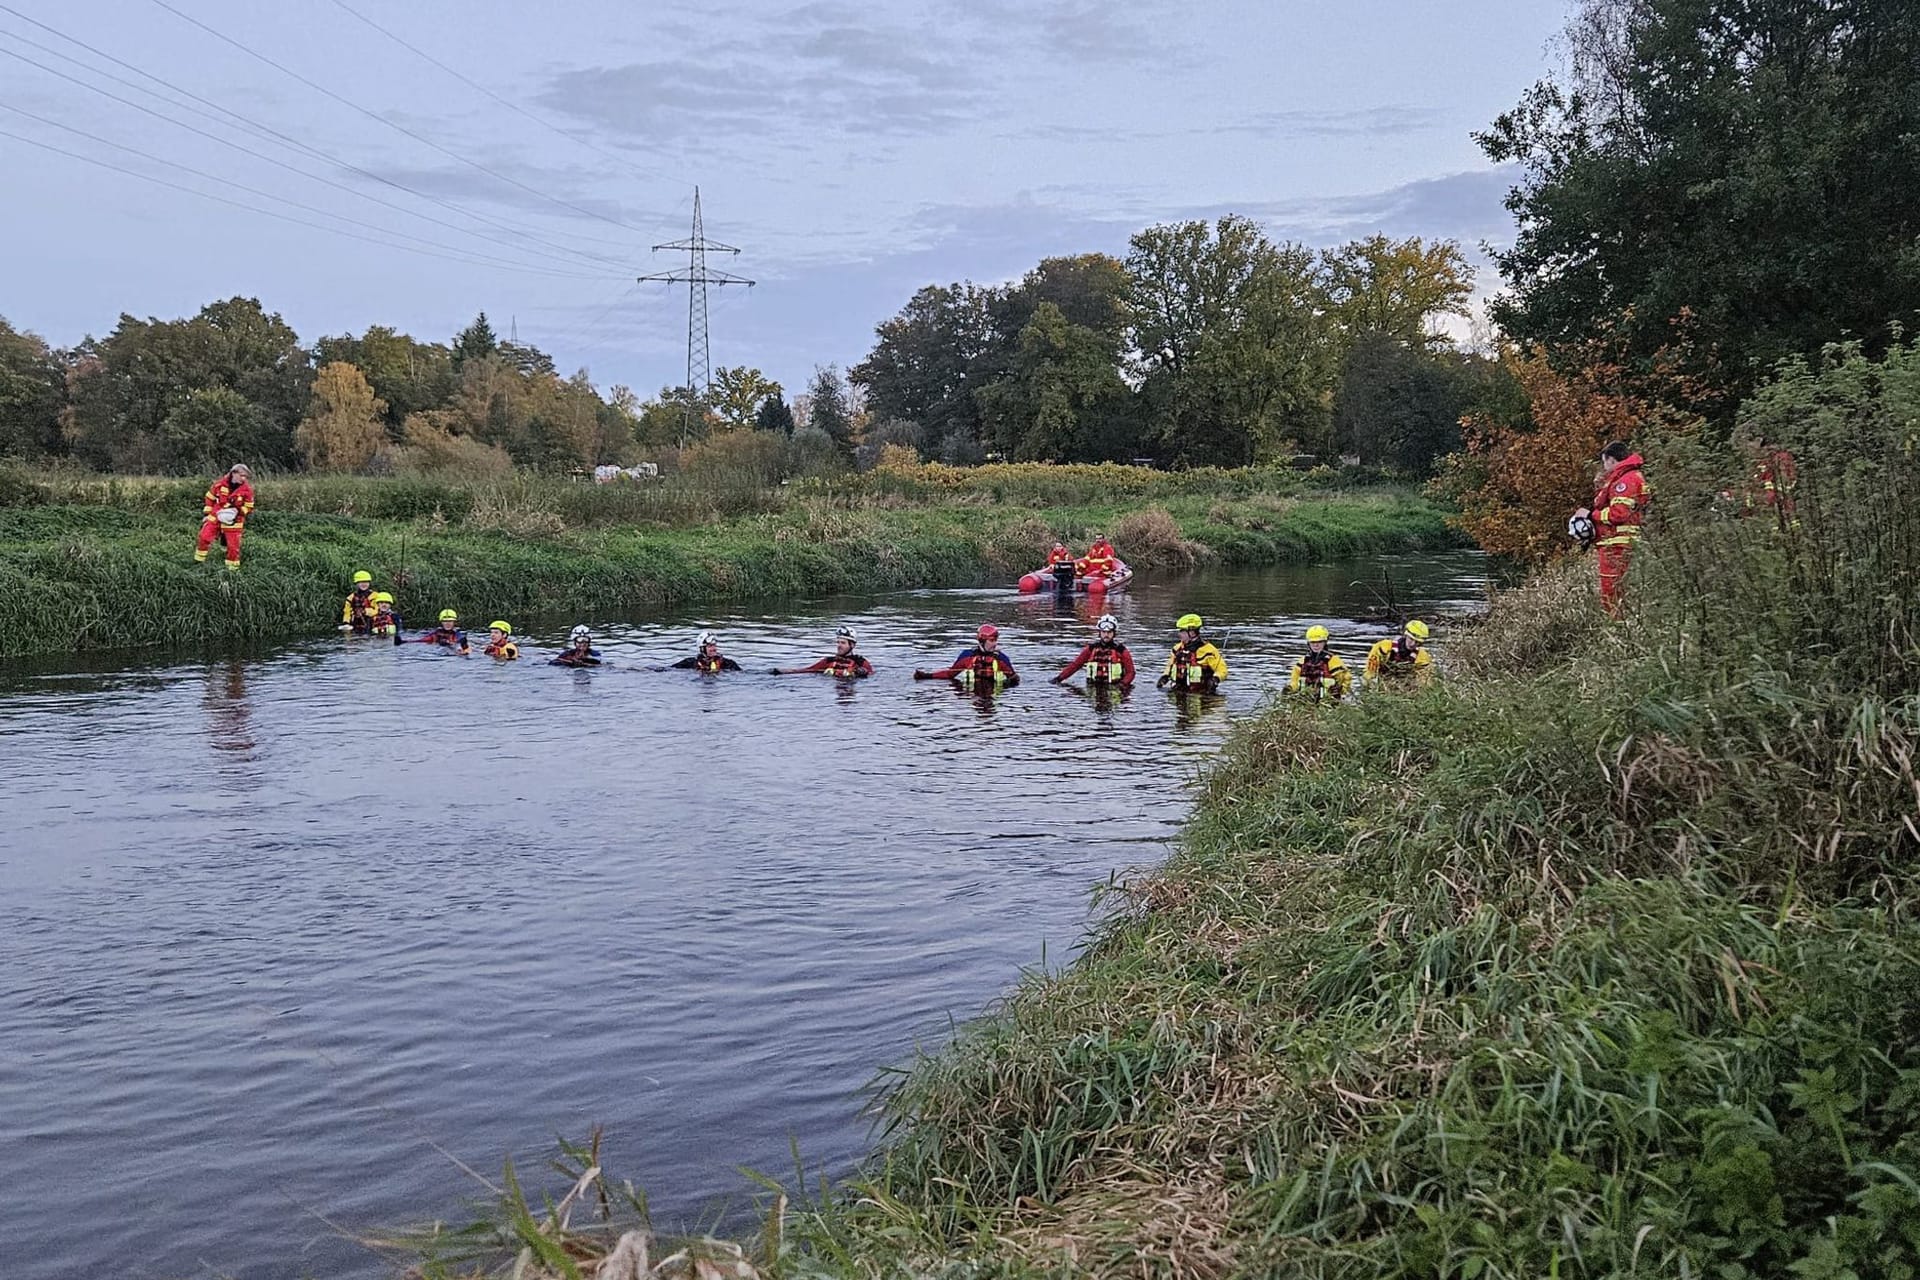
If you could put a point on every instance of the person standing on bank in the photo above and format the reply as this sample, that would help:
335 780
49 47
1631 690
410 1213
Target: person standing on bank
1618 512
224 513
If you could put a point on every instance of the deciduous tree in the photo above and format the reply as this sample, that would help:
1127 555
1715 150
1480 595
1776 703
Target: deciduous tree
1234 350
1752 163
1396 287
343 429
32 391
737 395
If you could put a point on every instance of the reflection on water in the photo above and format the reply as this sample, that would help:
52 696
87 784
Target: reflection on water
288 925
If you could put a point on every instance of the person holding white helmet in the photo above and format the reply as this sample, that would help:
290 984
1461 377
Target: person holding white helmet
707 659
1109 664
224 513
842 664
579 651
1320 672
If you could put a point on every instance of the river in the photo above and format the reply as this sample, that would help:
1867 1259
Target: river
282 934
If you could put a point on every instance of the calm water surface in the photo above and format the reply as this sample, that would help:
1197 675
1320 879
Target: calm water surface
280 934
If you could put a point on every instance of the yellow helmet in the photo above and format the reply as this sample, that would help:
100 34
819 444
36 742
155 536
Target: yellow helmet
1417 629
383 597
1189 622
362 576
448 615
500 626
1316 634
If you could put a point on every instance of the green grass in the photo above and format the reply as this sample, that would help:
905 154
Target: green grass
118 572
1599 958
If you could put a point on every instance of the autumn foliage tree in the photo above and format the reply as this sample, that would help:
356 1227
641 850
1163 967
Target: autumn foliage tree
1516 483
343 428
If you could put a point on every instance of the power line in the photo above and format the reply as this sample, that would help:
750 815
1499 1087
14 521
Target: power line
269 131
205 195
465 255
398 128
260 155
508 103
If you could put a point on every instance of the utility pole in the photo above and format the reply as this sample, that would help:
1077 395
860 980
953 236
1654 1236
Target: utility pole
696 277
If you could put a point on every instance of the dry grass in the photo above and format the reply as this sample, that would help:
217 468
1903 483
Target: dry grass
1152 539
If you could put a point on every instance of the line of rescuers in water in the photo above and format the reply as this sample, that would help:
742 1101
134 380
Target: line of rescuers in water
1195 665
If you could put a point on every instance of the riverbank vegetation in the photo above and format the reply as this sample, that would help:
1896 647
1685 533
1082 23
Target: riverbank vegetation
1599 958
103 563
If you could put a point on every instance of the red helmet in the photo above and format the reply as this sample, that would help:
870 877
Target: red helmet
989 632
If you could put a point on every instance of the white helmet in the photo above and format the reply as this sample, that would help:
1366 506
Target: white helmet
1107 623
706 638
845 633
580 633
1580 528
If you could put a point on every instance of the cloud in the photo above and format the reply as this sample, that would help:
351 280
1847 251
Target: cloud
1380 121
1469 206
818 67
578 187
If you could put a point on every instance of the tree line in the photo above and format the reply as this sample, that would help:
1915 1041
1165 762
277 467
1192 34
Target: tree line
1209 344
236 381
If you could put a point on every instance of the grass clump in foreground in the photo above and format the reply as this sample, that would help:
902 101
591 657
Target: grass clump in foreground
1600 958
118 573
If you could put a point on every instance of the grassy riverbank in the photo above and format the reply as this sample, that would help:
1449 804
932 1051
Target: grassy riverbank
1600 958
105 563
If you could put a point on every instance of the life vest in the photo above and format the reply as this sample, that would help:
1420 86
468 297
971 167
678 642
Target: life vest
1312 672
981 671
1197 665
506 650
847 667
449 639
1099 558
358 610
382 623
1620 505
1059 556
1106 667
709 666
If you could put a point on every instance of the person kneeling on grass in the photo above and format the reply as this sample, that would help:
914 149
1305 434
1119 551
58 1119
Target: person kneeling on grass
844 664
1195 665
981 667
707 659
1320 672
448 634
500 642
579 651
1108 663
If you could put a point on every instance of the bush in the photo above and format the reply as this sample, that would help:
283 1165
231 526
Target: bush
1152 539
16 490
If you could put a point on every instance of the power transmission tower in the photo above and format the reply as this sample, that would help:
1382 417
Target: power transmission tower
696 277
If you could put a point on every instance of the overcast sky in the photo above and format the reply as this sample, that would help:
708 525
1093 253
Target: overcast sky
854 152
